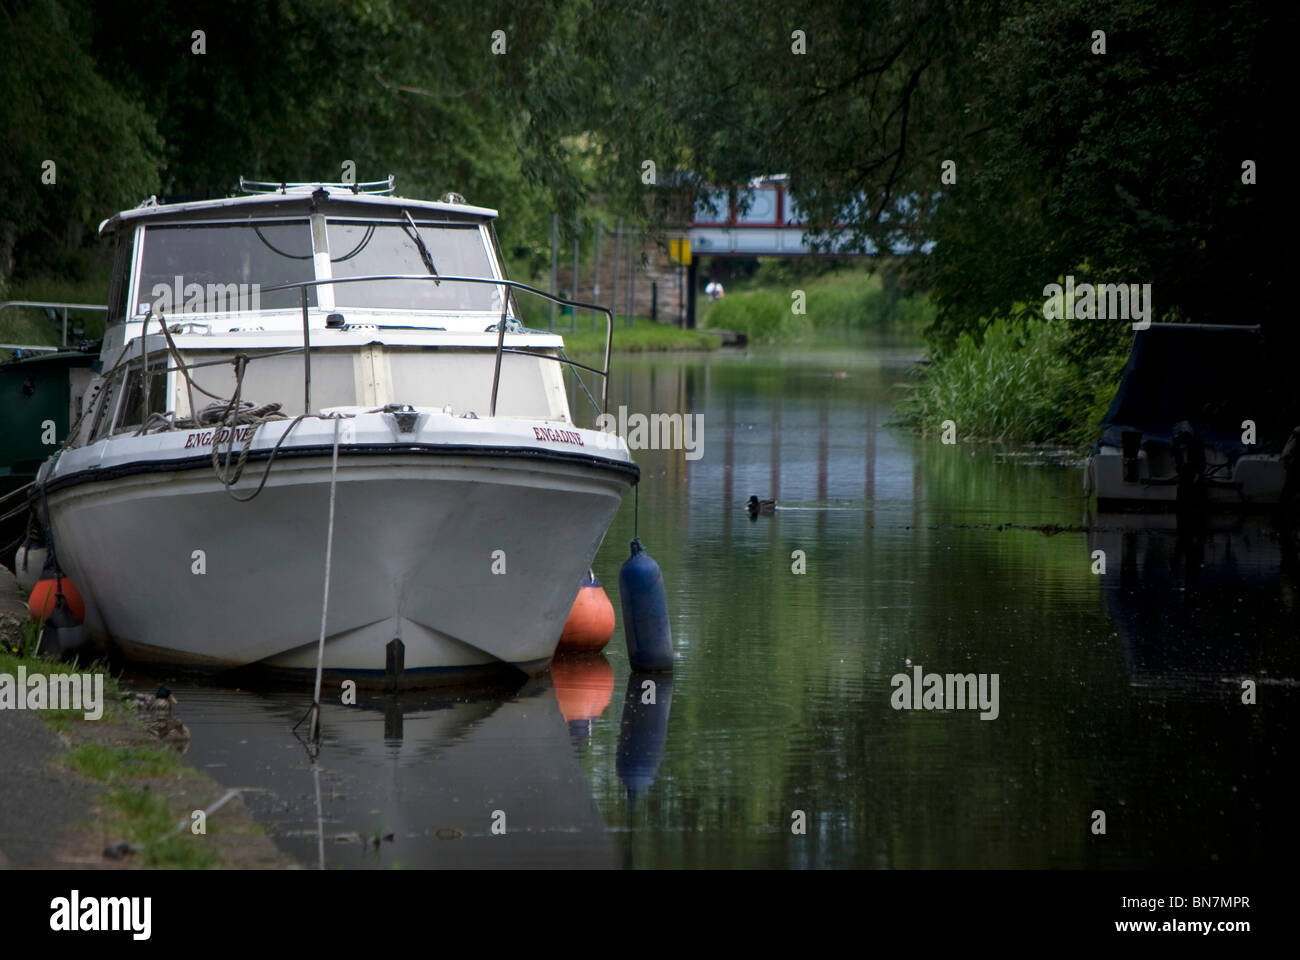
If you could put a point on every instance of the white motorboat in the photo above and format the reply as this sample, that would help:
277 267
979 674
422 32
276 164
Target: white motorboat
1195 424
267 349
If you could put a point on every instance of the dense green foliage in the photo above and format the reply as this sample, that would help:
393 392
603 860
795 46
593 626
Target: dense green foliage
291 90
73 147
1123 165
1018 381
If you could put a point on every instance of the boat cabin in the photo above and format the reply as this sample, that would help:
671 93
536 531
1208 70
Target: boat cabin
394 296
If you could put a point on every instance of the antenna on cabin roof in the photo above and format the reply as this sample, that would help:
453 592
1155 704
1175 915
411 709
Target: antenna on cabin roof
286 187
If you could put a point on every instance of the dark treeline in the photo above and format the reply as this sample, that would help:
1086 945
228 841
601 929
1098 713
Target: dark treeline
1120 166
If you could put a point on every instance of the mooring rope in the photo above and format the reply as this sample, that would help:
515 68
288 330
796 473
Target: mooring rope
4 552
13 493
222 413
239 412
159 421
582 383
16 511
266 473
325 600
320 817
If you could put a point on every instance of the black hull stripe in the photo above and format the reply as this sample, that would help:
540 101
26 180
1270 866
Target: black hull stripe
98 475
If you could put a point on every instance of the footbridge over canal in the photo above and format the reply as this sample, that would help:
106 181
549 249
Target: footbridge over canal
761 219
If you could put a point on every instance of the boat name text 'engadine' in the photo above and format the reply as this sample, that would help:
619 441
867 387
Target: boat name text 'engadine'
559 436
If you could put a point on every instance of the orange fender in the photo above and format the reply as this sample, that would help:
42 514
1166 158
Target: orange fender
591 619
41 603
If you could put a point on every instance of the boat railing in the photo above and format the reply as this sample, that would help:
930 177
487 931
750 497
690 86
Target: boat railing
47 305
303 286
367 187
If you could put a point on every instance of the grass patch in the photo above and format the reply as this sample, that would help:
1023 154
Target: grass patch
23 643
845 299
144 818
133 812
762 315
21 652
141 782
28 327
839 296
10 660
108 764
1021 380
32 326
642 336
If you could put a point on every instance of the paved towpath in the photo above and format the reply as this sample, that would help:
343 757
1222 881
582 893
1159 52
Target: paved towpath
50 817
41 804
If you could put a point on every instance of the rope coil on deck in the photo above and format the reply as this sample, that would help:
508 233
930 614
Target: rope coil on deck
223 412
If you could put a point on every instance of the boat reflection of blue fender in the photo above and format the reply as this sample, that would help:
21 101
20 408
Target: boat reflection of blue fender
643 731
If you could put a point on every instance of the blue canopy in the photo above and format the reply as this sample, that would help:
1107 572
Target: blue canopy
1212 376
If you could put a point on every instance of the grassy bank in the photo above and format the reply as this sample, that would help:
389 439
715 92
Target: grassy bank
144 791
1024 379
765 306
132 808
25 325
642 336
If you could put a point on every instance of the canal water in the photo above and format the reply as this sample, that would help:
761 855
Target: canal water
1120 739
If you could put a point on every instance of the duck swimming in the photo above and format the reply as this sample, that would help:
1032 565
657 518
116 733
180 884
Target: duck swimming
756 506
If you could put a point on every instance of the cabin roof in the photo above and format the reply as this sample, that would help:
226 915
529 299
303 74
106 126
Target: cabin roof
1211 375
295 199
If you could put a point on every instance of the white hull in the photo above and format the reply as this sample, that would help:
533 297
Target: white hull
415 535
1257 481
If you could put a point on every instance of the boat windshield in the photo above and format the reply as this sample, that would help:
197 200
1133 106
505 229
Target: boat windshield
223 267
360 248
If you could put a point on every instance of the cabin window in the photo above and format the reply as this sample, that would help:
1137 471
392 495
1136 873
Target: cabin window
530 386
225 267
359 249
131 412
121 283
108 397
500 258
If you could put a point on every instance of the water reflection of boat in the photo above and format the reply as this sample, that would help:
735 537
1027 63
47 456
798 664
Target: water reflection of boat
1201 600
1194 424
434 786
